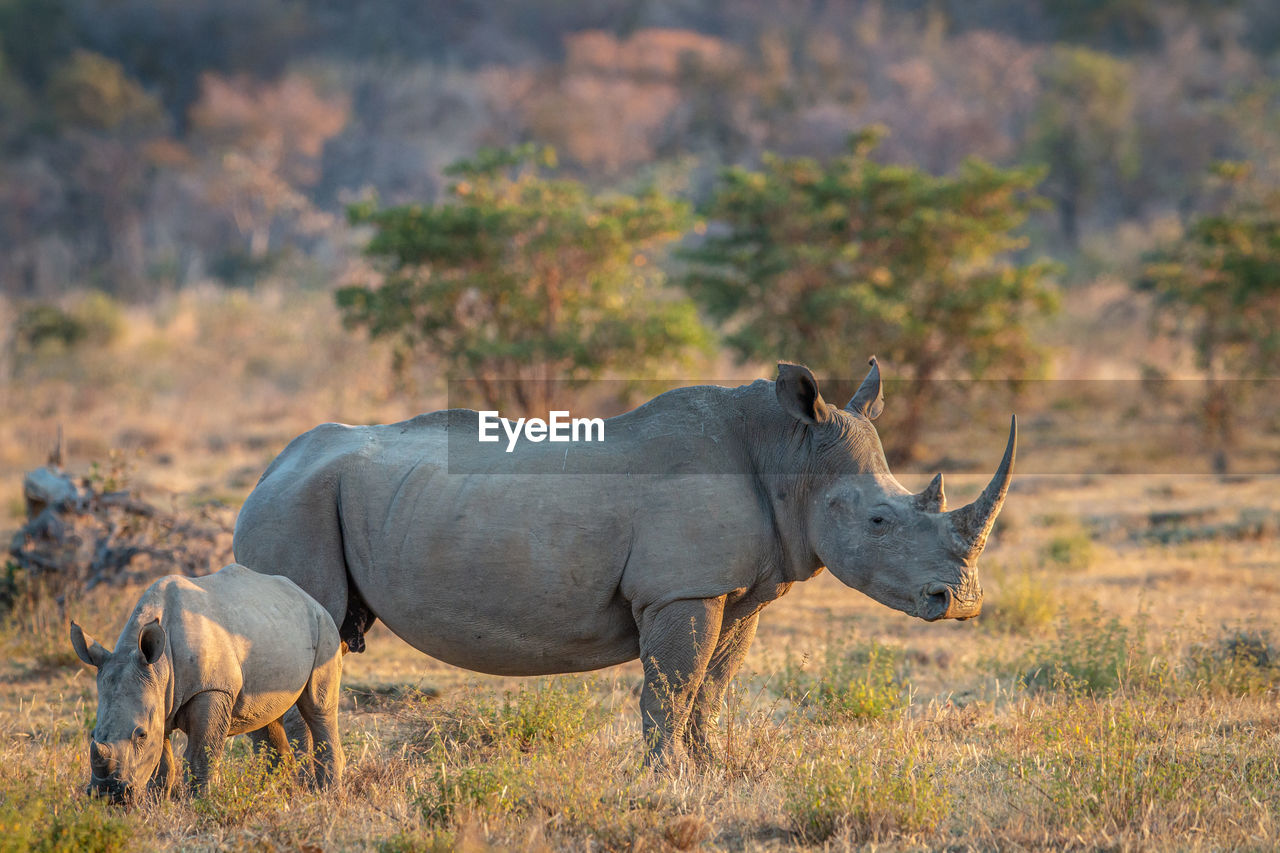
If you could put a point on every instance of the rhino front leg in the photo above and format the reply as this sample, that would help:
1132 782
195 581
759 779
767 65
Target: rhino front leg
318 706
162 781
676 643
208 719
730 652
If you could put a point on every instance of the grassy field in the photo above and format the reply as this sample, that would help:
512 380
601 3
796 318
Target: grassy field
1121 689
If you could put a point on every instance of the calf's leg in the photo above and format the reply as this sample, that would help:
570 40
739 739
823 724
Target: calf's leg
318 706
207 718
162 782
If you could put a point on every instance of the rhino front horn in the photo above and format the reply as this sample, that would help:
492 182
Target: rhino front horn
973 522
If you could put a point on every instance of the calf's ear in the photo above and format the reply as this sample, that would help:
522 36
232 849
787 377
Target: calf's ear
87 648
151 642
797 391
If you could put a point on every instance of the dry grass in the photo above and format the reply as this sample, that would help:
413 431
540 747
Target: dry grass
1120 691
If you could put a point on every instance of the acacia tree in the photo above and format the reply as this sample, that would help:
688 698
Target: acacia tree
827 262
516 280
1219 287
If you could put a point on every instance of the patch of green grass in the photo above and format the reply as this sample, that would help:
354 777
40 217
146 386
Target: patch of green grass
43 818
556 712
851 682
865 793
1133 767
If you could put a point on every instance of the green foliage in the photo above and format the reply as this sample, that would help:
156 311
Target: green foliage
851 682
828 262
246 786
1219 287
1220 284
43 328
1241 662
42 819
866 793
518 279
93 92
1090 656
1083 128
493 788
1070 549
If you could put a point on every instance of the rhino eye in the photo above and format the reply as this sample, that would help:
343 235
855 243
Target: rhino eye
877 519
139 733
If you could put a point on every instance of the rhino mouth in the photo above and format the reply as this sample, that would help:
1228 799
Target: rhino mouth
115 791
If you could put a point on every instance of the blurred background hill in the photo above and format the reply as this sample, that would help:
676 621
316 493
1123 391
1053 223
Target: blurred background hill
175 177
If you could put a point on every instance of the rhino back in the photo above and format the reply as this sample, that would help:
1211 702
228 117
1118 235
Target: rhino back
252 636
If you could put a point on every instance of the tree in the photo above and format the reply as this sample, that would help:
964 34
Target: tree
1219 286
1083 130
517 279
827 262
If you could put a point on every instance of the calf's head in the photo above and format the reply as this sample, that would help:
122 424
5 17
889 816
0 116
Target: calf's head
904 550
127 741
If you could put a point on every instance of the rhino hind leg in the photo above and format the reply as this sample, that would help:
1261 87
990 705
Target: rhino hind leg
318 708
676 644
728 657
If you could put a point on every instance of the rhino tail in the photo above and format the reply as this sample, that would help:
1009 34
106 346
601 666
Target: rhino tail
358 619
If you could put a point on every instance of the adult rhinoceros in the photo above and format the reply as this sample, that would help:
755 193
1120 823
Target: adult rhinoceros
662 542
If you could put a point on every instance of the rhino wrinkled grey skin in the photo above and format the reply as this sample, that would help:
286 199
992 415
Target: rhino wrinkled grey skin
664 542
220 655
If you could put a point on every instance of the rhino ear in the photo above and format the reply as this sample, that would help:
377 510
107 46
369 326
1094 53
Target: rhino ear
868 400
151 642
87 648
797 391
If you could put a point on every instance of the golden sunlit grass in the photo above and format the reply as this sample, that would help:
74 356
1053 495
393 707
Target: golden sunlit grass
1120 690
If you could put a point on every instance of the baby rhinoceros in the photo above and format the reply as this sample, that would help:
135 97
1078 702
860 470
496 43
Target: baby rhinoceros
215 656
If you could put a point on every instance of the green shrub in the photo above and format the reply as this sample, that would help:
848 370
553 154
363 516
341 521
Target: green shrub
852 682
1071 549
1088 656
866 793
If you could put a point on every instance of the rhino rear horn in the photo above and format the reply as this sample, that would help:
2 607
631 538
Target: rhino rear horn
87 648
973 522
868 400
151 641
933 498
